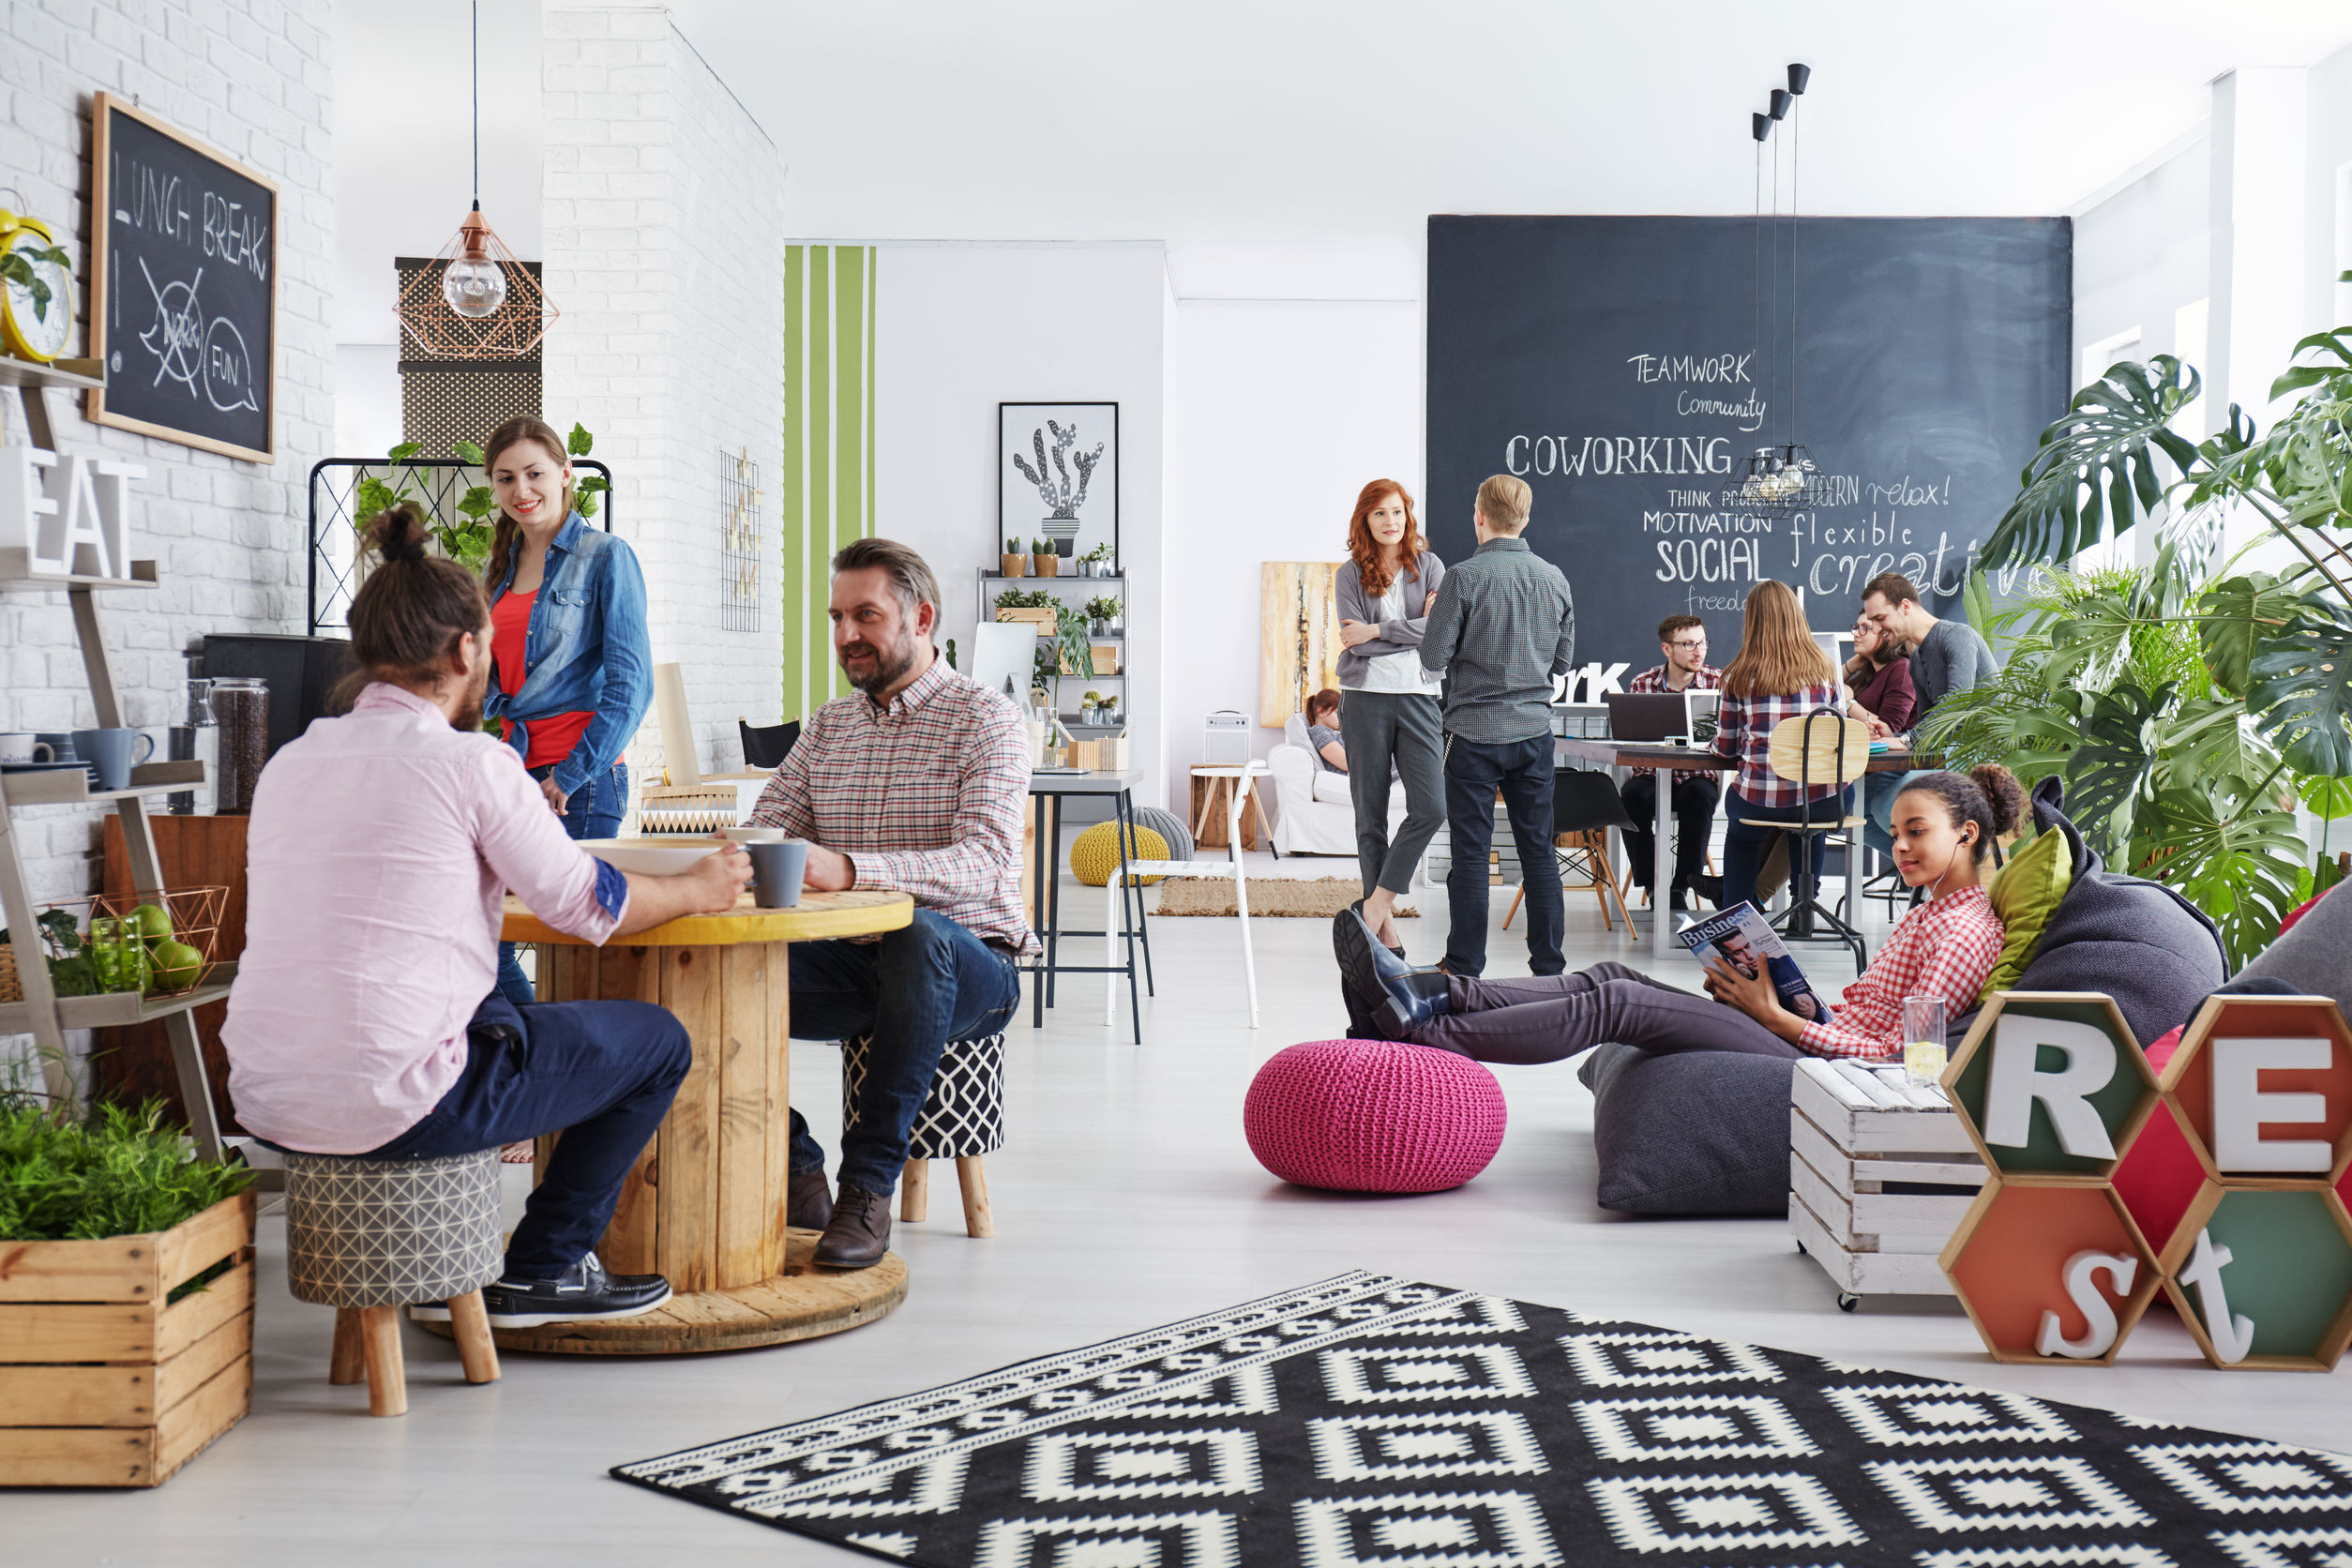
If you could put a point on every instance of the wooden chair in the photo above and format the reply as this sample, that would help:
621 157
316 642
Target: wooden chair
1823 746
1585 806
369 1237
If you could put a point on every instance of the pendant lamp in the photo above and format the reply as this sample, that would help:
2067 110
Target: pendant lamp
1780 478
474 300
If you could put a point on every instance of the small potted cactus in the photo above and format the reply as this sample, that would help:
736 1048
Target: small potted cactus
1012 561
1041 560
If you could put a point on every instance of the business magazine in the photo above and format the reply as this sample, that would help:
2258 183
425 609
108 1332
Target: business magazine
1740 937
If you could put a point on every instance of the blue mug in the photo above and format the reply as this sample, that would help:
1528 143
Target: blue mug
110 754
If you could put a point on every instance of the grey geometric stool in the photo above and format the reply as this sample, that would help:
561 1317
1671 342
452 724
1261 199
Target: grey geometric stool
369 1237
962 1119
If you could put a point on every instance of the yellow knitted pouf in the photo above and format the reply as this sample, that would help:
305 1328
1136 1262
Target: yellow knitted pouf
1095 853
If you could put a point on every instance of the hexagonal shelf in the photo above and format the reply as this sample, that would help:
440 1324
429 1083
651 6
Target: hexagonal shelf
2240 1060
2010 1260
2282 1258
2033 1050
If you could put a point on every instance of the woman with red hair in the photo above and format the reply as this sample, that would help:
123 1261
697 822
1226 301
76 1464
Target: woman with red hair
1388 710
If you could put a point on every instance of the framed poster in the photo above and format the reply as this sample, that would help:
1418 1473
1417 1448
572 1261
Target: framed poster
1057 477
182 287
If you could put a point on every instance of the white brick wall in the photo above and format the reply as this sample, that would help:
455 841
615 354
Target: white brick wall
664 238
251 78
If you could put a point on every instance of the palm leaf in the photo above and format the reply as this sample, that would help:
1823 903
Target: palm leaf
2302 688
2246 871
2107 771
2240 615
2100 458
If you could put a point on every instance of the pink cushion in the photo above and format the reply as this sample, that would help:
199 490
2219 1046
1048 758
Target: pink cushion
1371 1116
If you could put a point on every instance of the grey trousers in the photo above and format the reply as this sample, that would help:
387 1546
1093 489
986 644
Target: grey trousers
1547 1018
1377 727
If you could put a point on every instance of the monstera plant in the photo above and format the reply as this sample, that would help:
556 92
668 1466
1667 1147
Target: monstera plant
2188 705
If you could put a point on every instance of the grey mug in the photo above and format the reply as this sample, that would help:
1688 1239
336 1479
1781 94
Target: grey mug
110 754
777 871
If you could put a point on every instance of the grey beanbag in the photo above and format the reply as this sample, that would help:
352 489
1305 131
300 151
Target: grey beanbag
1696 1133
2316 958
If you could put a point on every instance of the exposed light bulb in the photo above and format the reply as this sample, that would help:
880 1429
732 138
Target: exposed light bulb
475 287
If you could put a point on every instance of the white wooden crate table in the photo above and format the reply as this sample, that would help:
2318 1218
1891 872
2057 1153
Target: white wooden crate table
1879 1175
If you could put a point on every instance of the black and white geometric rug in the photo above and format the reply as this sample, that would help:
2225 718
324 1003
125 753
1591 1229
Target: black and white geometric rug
1369 1422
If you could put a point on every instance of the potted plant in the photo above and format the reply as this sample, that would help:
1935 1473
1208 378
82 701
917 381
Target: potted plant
1013 562
1102 614
1090 709
1034 605
1042 559
1096 562
1077 653
123 1250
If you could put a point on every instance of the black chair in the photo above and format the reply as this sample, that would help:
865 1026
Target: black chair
1585 806
765 747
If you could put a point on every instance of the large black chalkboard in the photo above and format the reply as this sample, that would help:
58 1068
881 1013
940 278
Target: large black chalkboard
1596 357
183 287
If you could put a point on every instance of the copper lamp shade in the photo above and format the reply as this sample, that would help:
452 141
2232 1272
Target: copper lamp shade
476 301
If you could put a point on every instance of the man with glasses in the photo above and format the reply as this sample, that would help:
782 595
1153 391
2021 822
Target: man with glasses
1684 641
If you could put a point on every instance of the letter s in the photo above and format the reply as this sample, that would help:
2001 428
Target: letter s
2099 1324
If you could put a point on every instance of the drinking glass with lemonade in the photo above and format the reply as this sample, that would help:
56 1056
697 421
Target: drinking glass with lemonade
1923 1038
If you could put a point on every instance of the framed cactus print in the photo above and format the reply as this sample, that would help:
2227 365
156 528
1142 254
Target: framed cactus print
1057 479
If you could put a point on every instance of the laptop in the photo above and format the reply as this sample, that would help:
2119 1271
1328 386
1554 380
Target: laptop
1658 715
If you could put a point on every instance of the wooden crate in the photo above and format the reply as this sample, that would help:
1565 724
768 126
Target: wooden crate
104 1381
1880 1174
1042 616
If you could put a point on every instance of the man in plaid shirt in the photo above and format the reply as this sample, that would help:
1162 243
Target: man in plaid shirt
1684 641
916 783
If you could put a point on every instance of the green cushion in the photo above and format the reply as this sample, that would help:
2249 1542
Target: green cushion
2026 895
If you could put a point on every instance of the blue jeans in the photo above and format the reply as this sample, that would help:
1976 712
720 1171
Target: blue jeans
595 812
912 991
600 1073
1522 770
1744 847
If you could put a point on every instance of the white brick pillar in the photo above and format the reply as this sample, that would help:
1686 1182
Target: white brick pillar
662 215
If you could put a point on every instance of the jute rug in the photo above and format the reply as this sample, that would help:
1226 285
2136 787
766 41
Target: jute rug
1370 1421
1277 897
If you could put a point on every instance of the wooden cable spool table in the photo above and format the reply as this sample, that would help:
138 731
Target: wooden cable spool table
704 1204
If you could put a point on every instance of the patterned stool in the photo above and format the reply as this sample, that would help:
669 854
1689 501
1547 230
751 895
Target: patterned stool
962 1119
369 1237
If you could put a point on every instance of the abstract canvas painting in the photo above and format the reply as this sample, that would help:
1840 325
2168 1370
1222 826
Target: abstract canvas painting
1298 636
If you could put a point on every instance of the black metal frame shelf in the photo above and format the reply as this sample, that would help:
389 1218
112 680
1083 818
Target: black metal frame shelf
441 483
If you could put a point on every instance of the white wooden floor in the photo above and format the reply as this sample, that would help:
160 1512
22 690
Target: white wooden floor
1127 1196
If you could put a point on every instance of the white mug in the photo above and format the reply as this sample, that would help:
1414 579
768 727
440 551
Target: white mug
24 748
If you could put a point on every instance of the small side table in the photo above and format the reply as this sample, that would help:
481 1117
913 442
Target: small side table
1212 786
1880 1174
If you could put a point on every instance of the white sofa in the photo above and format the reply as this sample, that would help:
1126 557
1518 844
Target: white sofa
1314 813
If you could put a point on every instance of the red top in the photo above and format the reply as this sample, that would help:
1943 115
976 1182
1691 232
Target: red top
1945 947
553 737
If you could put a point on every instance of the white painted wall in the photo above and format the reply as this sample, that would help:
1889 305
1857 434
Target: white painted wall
1279 411
664 245
251 78
959 328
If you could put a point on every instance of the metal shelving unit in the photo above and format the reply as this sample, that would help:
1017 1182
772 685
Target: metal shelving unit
42 1013
988 612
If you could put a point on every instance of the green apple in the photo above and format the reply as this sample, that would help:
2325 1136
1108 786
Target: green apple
149 922
175 965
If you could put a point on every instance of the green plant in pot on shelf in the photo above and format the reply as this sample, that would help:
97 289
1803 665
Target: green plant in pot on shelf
1104 611
1041 560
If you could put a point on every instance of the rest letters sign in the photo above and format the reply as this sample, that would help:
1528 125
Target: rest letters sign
2223 1184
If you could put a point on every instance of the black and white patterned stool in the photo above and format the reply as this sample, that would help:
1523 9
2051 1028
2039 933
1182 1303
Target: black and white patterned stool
369 1237
962 1119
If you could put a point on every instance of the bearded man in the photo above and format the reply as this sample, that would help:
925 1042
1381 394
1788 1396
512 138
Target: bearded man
915 783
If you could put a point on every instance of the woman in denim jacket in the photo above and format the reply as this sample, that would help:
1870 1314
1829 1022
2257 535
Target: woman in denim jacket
571 668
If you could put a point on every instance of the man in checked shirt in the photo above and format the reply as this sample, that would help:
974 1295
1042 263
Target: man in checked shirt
916 783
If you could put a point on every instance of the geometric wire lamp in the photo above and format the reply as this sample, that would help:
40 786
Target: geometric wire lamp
475 300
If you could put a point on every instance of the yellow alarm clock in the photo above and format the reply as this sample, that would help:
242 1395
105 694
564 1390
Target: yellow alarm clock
33 329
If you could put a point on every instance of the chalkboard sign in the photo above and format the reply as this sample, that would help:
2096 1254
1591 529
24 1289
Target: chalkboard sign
182 287
1615 364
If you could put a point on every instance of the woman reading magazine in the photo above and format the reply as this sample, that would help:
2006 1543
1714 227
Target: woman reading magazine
1944 825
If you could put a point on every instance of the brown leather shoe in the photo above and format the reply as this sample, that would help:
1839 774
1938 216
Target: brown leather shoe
859 1231
808 1201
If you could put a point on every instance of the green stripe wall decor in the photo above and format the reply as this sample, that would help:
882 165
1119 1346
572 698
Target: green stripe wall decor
828 478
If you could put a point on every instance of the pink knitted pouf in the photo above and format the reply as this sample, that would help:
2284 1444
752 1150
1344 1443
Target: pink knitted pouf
1372 1116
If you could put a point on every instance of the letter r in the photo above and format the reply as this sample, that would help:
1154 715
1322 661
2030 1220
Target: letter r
2016 1081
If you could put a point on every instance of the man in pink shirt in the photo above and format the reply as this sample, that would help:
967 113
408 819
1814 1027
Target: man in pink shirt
364 1018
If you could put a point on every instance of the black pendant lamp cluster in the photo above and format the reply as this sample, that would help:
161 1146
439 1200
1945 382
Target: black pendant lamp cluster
1780 479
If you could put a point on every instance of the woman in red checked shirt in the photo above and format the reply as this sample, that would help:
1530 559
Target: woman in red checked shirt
1944 825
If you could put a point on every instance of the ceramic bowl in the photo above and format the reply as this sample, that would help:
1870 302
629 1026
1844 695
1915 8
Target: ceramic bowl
649 857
